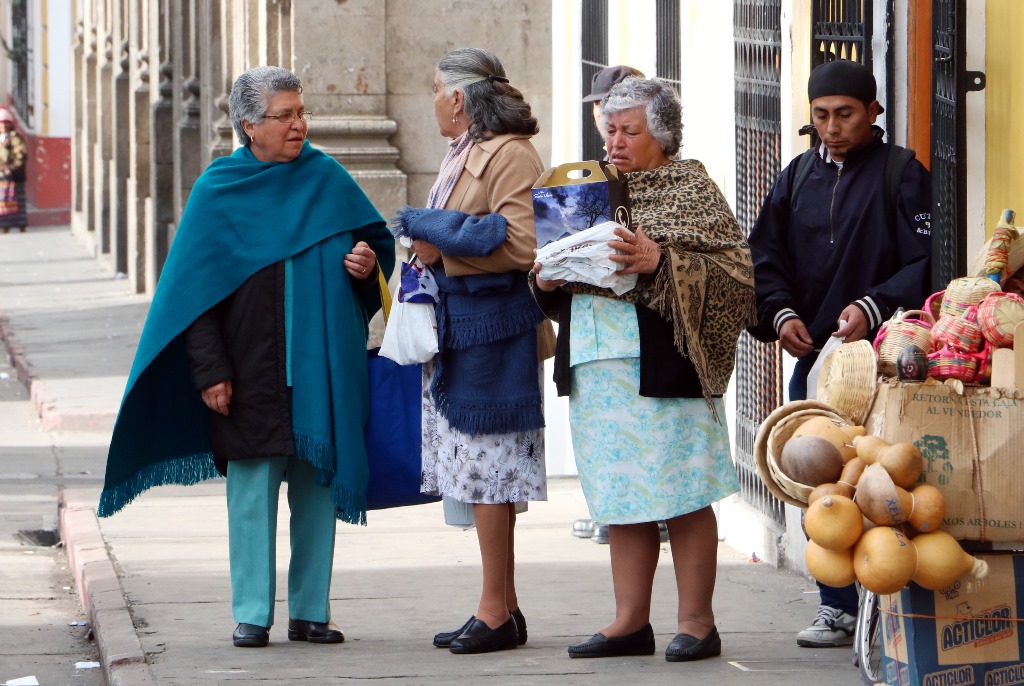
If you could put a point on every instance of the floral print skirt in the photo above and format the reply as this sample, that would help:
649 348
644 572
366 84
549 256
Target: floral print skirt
487 468
645 459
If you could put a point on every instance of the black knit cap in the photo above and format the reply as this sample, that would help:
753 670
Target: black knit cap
843 77
603 80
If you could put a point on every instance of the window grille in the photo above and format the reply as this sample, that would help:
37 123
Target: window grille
758 45
20 55
594 58
668 43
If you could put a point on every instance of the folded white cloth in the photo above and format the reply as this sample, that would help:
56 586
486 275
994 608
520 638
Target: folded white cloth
583 257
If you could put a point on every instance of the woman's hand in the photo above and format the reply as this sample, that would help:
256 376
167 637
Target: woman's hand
427 252
544 284
637 252
361 261
218 397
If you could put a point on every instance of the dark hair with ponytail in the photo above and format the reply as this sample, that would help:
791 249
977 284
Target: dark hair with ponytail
492 104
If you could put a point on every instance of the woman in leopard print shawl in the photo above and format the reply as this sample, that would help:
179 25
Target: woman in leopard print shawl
645 373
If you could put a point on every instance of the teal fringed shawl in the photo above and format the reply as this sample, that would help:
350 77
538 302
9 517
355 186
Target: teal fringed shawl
242 215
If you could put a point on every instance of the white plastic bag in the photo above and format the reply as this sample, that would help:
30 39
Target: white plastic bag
583 257
812 376
410 335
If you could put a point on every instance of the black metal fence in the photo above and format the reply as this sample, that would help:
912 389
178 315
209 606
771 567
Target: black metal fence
593 58
669 43
20 54
757 32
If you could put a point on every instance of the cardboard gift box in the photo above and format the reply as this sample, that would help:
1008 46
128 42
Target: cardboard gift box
972 440
965 635
576 196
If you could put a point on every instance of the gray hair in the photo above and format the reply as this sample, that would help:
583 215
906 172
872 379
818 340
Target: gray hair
492 104
249 95
661 106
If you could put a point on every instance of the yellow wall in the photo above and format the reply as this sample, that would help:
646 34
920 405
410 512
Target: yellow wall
1004 111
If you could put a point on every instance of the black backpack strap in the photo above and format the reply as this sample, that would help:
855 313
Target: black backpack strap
803 170
895 164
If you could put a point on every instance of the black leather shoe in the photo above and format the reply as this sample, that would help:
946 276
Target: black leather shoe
517 615
314 632
445 638
250 636
637 643
685 648
480 638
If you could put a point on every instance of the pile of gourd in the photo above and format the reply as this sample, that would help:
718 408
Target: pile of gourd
867 518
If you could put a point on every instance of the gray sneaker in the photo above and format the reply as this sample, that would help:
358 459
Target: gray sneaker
830 628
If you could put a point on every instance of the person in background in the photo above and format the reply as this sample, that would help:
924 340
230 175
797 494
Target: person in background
483 437
12 175
839 257
600 84
252 362
645 373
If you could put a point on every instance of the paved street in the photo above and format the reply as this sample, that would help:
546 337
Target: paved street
154 578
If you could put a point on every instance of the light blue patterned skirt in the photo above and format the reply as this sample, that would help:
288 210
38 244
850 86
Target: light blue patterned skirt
645 459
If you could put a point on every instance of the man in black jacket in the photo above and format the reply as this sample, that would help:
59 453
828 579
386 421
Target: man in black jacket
842 241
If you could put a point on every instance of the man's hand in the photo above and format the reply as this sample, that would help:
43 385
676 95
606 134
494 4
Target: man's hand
856 326
794 338
218 397
427 252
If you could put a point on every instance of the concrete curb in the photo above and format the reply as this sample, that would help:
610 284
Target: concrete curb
44 401
121 654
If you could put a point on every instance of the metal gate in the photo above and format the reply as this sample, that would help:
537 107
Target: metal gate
20 54
757 32
593 58
841 31
950 84
668 43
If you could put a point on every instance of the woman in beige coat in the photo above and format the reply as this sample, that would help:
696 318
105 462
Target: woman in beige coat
483 440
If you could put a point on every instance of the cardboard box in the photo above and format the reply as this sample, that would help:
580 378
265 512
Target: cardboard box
972 440
576 196
965 635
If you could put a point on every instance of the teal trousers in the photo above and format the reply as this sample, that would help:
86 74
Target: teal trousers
253 488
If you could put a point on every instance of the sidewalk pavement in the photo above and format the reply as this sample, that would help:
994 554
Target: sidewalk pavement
154 578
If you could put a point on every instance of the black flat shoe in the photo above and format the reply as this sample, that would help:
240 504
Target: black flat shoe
445 638
480 638
250 636
314 632
685 648
637 643
517 615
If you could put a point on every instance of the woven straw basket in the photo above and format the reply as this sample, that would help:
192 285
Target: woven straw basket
848 379
998 315
899 332
947 363
1014 258
962 333
964 292
775 430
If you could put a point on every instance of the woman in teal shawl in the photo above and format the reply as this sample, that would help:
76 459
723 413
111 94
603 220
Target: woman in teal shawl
252 362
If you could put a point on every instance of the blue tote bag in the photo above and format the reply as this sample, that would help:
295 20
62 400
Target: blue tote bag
392 433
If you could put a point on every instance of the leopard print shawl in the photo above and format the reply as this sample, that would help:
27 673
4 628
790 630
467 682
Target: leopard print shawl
704 284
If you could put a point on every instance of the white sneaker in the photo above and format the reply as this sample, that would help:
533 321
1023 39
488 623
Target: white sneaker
830 628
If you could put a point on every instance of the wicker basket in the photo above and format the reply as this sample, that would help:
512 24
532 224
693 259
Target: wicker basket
1014 255
947 363
933 305
848 379
899 332
962 334
998 315
964 292
774 431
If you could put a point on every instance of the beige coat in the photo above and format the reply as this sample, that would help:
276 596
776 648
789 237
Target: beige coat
498 178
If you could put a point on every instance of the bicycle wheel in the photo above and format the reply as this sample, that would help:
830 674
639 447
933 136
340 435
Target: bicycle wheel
867 640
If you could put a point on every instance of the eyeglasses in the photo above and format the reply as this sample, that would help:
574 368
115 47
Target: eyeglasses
290 117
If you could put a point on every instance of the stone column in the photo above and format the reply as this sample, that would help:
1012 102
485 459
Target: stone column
78 134
214 122
119 124
161 136
187 153
344 84
137 193
104 112
89 123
